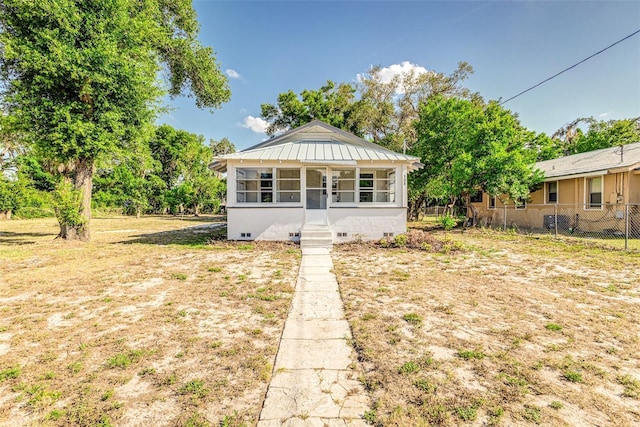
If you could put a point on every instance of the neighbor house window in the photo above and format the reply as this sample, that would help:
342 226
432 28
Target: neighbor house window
343 185
256 185
552 192
476 198
520 204
594 192
492 202
377 185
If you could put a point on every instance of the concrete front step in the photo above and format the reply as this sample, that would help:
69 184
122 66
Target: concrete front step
316 236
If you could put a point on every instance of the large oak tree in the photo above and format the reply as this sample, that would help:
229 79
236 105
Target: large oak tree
82 78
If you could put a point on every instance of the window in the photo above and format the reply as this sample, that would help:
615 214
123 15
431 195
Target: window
377 186
257 185
288 185
520 204
492 202
476 198
343 186
552 192
594 192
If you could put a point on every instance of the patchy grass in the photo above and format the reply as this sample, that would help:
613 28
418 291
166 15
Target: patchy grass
518 330
90 333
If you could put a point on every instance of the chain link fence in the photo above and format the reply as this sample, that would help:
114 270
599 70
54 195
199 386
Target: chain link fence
615 224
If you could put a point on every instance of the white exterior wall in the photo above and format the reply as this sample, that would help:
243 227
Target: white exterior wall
264 223
276 221
366 223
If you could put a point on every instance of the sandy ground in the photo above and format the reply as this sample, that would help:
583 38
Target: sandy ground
153 324
513 330
132 330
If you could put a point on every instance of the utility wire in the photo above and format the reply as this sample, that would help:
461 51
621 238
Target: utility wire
567 69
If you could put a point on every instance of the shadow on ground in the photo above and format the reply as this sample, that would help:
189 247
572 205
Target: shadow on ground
189 236
12 238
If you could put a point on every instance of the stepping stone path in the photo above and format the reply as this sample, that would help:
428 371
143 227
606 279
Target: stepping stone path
314 383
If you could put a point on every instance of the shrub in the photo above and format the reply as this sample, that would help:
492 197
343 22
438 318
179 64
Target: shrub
67 203
448 222
400 240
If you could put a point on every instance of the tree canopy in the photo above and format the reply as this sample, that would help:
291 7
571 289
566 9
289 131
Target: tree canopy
333 103
469 147
169 174
389 108
573 139
81 80
375 108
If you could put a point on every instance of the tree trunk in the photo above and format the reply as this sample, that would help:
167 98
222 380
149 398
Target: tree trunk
448 209
6 215
473 219
83 182
415 207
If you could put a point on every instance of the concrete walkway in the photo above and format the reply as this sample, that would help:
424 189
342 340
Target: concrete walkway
313 383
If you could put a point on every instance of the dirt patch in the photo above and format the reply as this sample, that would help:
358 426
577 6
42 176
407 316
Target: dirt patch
134 329
511 330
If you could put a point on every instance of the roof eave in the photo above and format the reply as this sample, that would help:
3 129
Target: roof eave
218 165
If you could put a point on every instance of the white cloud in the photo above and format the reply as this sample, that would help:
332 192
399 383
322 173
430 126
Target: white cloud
603 115
256 124
233 73
388 73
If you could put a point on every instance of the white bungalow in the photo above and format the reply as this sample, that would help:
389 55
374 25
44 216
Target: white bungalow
316 181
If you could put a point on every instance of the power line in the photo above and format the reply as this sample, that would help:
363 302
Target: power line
573 66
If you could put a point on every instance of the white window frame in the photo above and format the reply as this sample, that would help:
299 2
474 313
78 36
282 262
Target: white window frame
587 192
273 189
338 192
547 193
390 179
277 183
495 203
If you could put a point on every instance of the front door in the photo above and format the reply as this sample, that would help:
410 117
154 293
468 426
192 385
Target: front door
316 212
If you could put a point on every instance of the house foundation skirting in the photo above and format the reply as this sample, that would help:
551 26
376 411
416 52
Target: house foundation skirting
346 224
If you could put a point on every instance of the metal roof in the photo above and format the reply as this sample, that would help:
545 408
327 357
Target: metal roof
318 143
612 159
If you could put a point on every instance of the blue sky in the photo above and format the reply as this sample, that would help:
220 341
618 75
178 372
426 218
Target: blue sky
269 47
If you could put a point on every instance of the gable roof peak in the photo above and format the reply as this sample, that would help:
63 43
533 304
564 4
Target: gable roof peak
313 131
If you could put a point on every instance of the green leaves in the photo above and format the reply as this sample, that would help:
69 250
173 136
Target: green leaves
67 203
332 103
80 78
470 147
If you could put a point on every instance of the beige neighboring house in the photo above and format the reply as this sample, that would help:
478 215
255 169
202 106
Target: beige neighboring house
590 191
313 179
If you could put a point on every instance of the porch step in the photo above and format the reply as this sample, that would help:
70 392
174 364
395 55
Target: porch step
316 236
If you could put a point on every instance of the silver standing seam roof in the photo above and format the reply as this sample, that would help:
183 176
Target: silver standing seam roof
317 143
613 159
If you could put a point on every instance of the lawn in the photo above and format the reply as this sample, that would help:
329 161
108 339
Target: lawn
149 324
158 322
509 330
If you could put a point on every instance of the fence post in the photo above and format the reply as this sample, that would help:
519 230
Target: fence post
504 228
555 220
626 227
